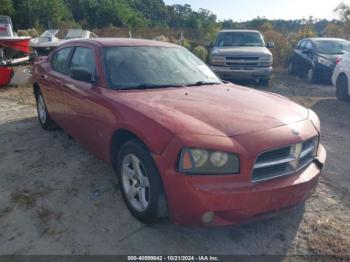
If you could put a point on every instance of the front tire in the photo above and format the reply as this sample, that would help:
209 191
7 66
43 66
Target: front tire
342 89
264 82
140 183
310 76
291 70
44 118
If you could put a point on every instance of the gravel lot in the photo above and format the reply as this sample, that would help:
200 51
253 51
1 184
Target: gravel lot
56 198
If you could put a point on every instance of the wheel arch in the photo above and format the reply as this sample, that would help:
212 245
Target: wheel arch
36 89
343 74
121 136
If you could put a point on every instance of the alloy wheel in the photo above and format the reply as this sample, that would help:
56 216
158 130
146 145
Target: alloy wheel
135 183
42 109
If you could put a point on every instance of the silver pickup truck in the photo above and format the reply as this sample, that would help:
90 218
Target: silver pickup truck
242 55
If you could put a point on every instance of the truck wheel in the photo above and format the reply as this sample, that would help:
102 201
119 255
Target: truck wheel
342 89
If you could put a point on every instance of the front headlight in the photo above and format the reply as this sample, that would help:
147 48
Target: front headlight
266 61
315 120
202 161
217 60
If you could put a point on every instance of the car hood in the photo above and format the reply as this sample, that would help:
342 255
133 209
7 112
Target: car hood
220 110
241 51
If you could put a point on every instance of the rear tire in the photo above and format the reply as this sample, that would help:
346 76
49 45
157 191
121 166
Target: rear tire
44 118
140 183
342 89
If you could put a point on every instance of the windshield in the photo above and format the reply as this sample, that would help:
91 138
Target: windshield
333 47
239 39
146 67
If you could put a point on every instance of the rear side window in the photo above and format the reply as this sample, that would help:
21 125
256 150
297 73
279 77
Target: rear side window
84 58
60 59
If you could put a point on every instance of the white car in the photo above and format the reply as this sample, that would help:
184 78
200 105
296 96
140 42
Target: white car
341 78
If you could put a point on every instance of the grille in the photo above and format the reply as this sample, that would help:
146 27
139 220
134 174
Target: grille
284 161
242 62
249 58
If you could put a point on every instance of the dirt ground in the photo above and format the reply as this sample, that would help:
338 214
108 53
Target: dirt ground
56 198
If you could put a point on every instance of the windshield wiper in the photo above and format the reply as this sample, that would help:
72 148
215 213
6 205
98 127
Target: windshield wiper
149 86
203 83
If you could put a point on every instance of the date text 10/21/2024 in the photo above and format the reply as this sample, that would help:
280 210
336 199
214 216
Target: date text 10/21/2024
173 258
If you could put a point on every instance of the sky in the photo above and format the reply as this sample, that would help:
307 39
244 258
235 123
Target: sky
242 10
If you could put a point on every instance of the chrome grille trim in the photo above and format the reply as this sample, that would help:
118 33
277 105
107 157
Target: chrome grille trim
284 161
274 162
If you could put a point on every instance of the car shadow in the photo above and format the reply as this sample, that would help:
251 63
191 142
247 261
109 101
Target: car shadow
272 236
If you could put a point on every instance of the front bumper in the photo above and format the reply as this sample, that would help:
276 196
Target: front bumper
323 73
234 198
227 72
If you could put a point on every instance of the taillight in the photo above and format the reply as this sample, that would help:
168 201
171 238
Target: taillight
338 60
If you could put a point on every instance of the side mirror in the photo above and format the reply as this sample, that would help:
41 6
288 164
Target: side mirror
209 45
81 74
307 52
270 44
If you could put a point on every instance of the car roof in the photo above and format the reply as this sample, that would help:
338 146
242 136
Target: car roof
109 42
239 30
319 39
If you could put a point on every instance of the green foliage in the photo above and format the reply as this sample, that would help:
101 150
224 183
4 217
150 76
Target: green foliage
343 10
333 30
29 32
183 42
201 52
6 7
154 19
155 11
40 13
282 49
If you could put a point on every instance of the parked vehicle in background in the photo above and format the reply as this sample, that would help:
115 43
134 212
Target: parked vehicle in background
341 78
48 41
315 58
43 44
241 55
14 51
182 142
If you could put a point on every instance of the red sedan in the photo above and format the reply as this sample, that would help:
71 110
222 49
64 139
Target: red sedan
182 142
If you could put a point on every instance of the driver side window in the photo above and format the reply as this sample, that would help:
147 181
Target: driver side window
309 45
84 58
302 45
60 59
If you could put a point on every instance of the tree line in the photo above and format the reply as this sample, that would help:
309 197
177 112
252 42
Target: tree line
156 20
103 13
42 14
